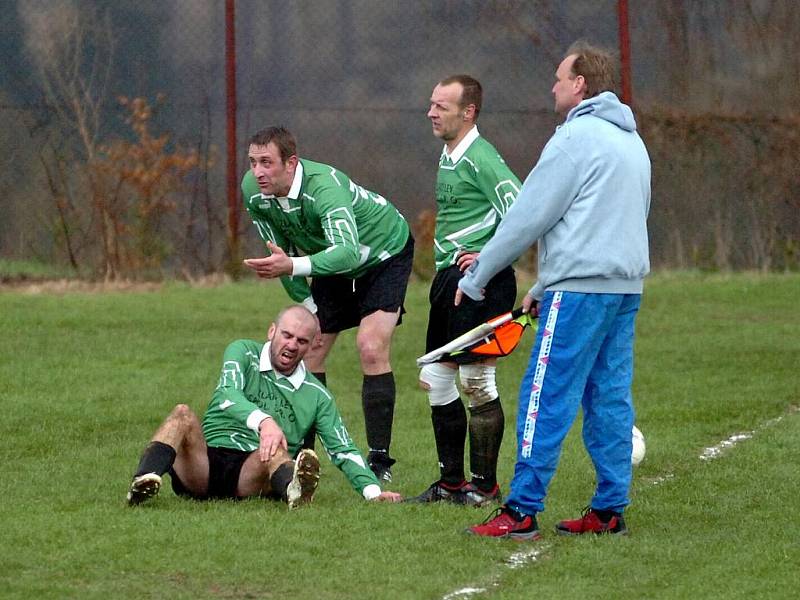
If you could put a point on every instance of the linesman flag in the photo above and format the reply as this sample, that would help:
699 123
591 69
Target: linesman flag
496 337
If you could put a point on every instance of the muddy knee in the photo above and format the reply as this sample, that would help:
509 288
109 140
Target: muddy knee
478 383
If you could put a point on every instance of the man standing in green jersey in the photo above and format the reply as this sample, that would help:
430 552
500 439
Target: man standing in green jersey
358 251
264 405
474 189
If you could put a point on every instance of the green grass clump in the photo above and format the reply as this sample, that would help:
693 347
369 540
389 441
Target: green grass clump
88 377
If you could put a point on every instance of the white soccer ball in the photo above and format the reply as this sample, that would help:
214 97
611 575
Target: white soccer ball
637 453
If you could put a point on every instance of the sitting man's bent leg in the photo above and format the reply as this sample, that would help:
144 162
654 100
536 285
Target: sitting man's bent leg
177 444
293 481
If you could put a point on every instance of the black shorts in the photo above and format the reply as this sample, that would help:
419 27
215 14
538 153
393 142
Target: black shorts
446 321
342 302
224 466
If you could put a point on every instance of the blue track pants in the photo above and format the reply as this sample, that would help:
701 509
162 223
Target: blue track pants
583 357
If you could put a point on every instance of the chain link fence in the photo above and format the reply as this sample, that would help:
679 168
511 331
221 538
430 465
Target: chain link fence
113 116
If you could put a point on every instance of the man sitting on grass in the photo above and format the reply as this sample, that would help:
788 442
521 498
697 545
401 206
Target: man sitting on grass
264 405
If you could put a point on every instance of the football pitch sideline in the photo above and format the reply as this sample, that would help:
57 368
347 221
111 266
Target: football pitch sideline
87 377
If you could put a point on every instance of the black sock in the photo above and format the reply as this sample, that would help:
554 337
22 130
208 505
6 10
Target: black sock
377 398
157 458
450 431
311 436
486 424
279 480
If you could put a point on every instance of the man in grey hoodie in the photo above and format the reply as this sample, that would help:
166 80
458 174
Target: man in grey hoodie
586 203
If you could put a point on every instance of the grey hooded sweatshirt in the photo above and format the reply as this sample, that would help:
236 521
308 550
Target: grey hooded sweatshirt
586 202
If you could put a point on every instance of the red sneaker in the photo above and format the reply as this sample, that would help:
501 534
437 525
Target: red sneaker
505 522
590 522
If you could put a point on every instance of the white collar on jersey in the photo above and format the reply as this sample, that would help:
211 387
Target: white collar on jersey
459 151
294 191
297 183
296 379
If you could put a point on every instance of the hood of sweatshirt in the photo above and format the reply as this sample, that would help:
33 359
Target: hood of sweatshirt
608 107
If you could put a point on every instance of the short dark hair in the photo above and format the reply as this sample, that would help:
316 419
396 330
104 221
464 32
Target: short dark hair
472 94
596 65
280 136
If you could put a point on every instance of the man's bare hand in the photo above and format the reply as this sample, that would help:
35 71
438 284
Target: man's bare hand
460 296
271 439
530 305
275 265
388 497
465 259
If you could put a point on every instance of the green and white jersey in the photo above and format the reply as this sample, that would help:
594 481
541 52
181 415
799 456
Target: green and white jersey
340 227
249 389
474 189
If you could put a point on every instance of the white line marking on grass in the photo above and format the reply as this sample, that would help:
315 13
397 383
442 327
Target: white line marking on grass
515 561
717 451
662 479
534 553
463 593
525 557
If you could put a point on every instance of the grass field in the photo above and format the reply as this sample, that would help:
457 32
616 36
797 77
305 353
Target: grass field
87 377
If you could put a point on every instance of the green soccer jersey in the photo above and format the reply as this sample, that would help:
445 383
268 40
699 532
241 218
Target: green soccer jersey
342 228
249 389
474 189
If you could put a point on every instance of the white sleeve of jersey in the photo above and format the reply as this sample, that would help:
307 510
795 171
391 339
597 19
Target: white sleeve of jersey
371 491
310 304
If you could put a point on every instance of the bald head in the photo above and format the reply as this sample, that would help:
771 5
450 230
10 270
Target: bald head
300 313
291 336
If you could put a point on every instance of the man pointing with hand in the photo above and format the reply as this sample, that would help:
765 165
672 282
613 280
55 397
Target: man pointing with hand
356 247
